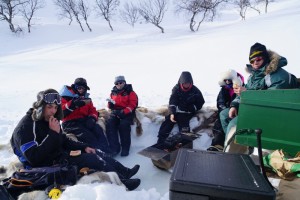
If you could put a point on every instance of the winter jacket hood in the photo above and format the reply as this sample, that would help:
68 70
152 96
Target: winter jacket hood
185 77
236 77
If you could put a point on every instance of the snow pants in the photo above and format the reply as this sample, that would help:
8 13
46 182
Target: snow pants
118 133
227 123
183 121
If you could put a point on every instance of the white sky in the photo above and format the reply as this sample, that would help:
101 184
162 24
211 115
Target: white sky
54 54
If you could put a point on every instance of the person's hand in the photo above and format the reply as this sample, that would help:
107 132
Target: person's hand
78 102
111 103
119 113
172 118
232 112
54 124
90 150
238 89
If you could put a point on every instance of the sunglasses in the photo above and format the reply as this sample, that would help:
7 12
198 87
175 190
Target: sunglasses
227 80
257 59
119 83
52 98
80 88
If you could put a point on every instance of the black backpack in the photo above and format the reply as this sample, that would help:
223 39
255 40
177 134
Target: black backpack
26 180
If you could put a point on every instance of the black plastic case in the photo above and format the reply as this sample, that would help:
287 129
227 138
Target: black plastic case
203 175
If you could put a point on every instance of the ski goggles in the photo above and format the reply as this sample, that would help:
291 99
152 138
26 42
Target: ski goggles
52 98
257 59
79 87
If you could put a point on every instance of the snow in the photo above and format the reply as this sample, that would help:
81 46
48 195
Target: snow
54 54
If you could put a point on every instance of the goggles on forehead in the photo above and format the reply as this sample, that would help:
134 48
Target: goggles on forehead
52 98
79 87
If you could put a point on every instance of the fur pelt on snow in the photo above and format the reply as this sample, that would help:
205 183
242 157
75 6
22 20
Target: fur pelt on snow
206 117
96 177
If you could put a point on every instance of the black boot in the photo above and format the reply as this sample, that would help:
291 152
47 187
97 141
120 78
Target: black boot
131 184
133 171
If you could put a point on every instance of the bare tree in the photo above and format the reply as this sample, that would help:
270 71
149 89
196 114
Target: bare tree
243 5
266 2
130 13
29 9
8 10
69 8
153 11
84 11
107 9
196 7
65 10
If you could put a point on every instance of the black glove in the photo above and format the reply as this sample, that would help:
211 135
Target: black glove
90 122
78 103
111 105
119 113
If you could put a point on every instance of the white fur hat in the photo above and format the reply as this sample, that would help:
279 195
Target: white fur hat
230 74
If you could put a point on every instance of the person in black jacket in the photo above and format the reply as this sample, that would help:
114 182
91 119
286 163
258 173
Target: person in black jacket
186 99
38 141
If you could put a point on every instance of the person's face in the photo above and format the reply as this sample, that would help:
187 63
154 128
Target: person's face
81 90
228 81
120 85
186 85
257 62
50 110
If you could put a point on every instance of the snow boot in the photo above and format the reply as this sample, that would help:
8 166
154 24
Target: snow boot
131 184
133 171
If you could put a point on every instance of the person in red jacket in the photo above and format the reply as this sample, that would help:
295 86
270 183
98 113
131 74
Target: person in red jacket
80 115
122 102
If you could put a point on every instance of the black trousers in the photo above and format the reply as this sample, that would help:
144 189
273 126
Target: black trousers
99 162
93 135
118 133
183 121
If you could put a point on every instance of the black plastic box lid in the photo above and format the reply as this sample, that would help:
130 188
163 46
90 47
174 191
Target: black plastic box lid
218 174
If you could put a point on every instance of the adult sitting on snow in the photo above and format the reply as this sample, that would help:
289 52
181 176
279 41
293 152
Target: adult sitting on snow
266 72
186 99
80 115
122 102
38 141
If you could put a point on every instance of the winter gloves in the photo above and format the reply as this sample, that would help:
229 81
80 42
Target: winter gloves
119 113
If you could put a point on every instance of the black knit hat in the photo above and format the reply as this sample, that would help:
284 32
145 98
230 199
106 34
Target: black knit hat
257 50
185 77
39 105
81 82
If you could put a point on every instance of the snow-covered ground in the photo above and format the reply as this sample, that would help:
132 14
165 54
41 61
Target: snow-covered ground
54 54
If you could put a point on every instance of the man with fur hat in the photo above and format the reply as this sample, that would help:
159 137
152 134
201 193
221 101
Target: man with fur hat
80 115
186 99
266 72
38 141
122 103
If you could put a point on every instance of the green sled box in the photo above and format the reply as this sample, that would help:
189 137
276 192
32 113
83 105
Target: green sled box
277 113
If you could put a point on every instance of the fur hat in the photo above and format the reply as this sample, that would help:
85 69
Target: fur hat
81 82
233 75
119 79
39 105
257 50
185 77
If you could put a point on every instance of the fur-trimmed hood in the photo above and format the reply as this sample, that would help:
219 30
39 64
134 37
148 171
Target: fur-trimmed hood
233 75
276 62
